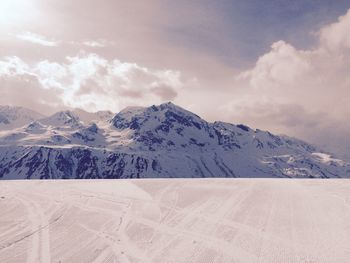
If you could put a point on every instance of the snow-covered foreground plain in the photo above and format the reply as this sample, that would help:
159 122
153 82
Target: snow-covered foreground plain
202 221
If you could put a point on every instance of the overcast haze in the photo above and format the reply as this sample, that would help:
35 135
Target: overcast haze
276 65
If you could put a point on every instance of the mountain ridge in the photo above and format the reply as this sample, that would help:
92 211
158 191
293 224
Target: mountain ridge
158 141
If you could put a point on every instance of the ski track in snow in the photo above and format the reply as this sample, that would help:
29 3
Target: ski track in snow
40 250
179 220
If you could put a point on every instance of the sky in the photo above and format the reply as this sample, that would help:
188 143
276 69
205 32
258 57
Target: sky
276 65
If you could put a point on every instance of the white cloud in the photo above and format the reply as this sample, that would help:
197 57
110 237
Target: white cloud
300 92
97 43
12 66
280 67
51 74
37 39
336 36
91 82
25 90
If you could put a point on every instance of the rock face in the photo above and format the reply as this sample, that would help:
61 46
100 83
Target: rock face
158 141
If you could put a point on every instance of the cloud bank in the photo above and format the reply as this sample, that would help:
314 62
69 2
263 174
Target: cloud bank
86 81
301 92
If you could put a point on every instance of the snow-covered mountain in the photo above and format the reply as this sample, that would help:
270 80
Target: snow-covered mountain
15 117
158 141
93 117
62 119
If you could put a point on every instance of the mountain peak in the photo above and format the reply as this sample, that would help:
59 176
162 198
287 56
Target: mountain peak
62 118
66 115
15 116
171 106
153 116
92 117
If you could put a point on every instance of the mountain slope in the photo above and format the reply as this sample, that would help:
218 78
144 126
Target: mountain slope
14 117
158 141
93 117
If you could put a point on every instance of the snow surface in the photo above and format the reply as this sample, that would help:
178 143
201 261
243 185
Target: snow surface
177 220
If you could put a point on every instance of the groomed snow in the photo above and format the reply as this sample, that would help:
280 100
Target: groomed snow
199 221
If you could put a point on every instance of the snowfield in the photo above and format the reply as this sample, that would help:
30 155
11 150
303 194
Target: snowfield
177 220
